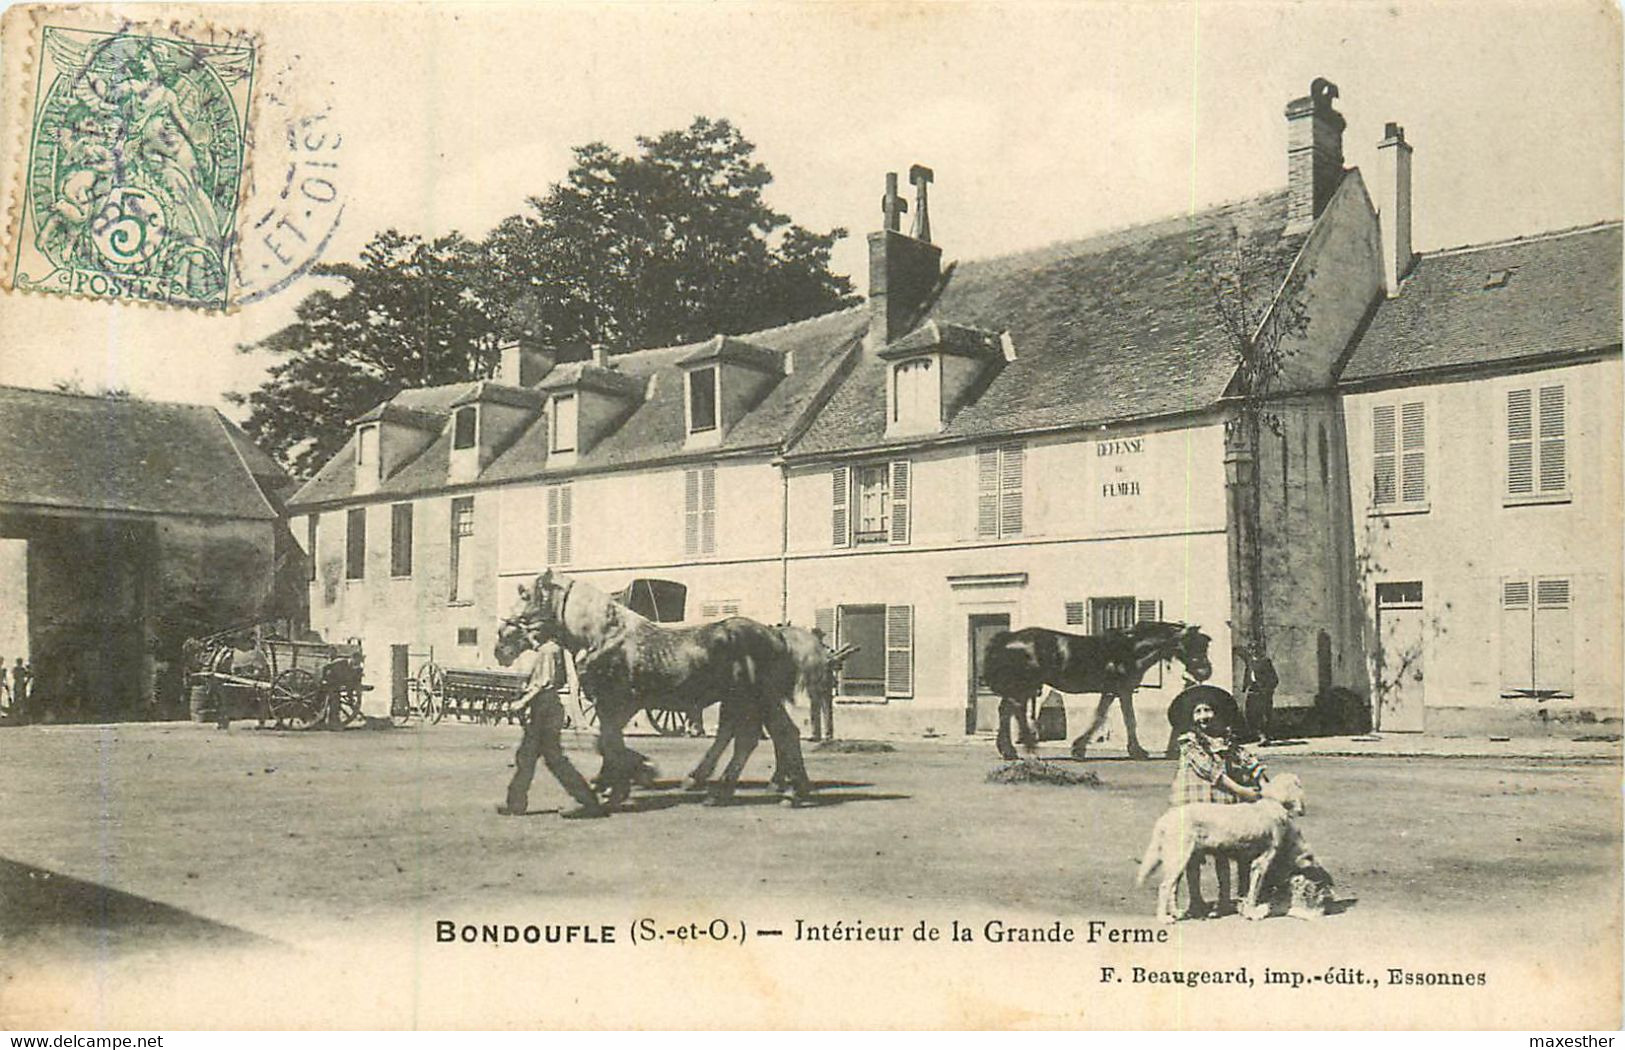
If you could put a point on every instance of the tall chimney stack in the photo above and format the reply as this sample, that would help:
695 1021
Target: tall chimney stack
1394 204
1314 154
600 354
902 269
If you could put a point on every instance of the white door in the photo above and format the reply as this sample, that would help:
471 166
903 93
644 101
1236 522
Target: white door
1401 657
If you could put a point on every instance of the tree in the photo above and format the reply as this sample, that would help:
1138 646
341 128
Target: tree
674 244
1262 319
407 318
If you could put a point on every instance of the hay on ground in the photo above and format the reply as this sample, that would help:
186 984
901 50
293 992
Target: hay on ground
855 747
1038 771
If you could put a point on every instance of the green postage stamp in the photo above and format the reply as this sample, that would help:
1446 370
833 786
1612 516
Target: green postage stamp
136 152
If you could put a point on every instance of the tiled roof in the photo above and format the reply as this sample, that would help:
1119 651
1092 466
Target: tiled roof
336 479
73 451
1114 327
389 412
1498 303
727 348
653 430
501 394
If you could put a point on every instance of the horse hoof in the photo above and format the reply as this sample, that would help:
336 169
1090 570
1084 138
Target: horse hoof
508 809
692 784
1138 754
1008 756
1078 751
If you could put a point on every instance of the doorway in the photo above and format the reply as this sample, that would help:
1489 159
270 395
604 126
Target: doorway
1401 657
981 703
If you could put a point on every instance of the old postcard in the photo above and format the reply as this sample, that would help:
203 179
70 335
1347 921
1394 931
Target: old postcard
910 516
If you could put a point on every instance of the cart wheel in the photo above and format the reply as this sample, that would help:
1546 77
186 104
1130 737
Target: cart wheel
667 721
430 687
294 703
349 701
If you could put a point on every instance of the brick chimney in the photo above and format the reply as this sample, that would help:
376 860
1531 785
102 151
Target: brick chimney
1314 154
902 269
600 355
1393 192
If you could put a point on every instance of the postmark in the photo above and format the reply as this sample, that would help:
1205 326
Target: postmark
136 166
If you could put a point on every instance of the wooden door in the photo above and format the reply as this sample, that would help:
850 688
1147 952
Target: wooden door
1401 657
981 703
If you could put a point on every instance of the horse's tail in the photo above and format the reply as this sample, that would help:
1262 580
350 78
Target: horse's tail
1153 855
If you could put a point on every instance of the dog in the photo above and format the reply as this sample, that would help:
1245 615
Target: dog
1262 832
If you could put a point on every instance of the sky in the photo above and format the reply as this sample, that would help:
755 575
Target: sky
1042 122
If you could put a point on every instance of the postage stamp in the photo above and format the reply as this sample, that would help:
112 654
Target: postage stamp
136 164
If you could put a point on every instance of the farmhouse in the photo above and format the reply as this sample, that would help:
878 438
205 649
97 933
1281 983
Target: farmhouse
1041 439
127 526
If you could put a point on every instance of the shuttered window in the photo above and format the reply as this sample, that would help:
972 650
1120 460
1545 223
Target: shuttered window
1000 480
899 650
869 503
1537 441
824 624
700 511
400 539
1537 637
840 518
1117 614
560 518
462 551
355 544
1399 456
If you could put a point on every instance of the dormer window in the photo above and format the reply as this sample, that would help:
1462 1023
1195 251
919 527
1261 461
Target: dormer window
914 403
366 451
463 427
702 400
563 423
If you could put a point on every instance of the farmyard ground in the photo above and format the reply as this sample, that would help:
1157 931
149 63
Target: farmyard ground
180 876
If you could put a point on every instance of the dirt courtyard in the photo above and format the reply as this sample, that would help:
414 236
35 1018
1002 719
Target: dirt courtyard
135 851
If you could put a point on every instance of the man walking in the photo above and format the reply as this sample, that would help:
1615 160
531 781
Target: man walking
543 739
1258 687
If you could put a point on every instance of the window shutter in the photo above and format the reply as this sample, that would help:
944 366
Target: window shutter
1075 614
1554 475
1413 453
1010 487
553 525
899 650
1149 610
899 500
708 510
1520 443
1517 637
691 512
1553 635
987 492
1382 456
824 621
566 519
840 489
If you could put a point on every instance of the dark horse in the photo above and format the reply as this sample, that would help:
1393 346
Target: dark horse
626 661
1018 664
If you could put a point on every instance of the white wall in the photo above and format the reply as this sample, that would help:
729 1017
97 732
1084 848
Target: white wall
1470 536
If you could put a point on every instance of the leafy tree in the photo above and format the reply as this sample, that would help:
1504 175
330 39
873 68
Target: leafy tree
406 319
672 244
